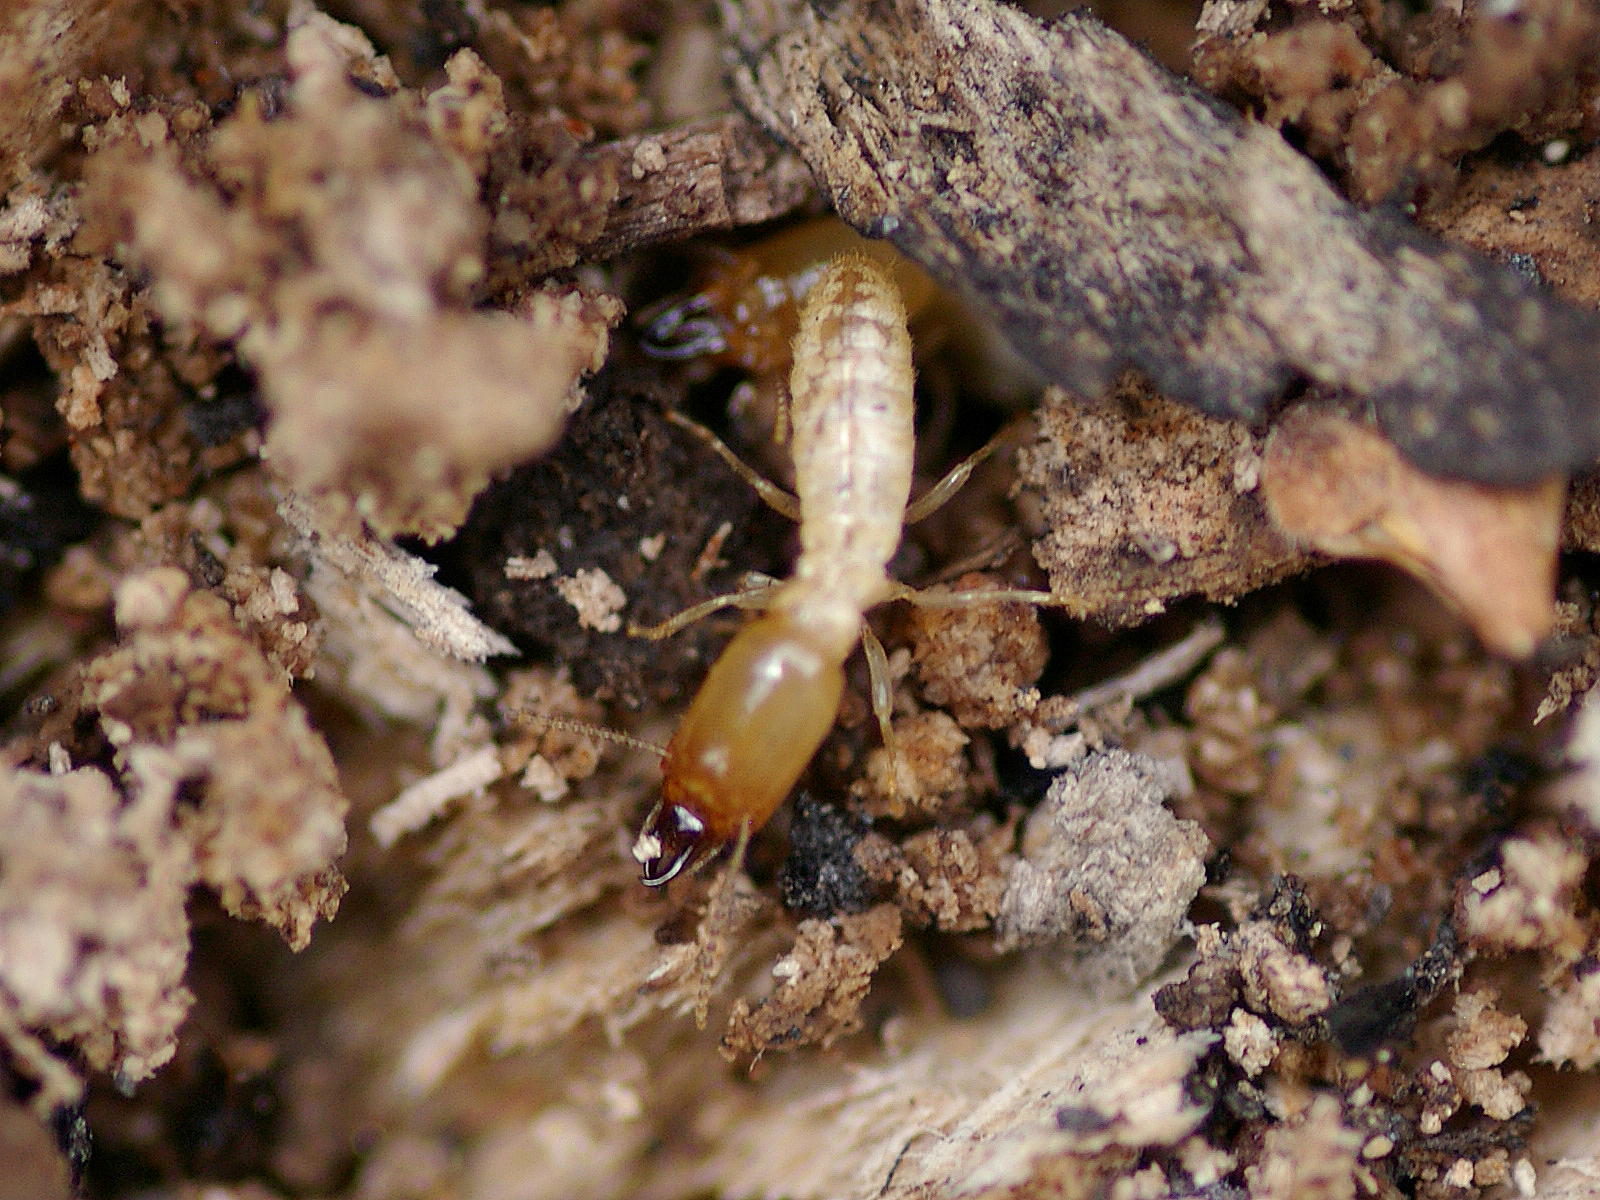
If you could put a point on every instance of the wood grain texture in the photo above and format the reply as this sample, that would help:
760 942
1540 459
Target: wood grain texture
1106 213
716 174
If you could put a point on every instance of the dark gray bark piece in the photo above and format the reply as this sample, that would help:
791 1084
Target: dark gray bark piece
1106 212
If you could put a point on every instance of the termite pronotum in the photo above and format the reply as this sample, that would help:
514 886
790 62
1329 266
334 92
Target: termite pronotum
771 698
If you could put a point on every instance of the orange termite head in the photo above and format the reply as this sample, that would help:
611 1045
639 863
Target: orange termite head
745 311
763 710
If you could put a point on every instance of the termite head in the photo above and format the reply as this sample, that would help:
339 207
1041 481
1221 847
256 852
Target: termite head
763 710
671 841
673 837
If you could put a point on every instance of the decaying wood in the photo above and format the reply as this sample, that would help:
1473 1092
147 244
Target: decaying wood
712 175
1106 212
500 1011
47 46
1392 122
1138 501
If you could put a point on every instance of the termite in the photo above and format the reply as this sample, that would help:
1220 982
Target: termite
771 698
745 313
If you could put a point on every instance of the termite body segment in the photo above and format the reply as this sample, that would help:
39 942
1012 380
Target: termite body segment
772 697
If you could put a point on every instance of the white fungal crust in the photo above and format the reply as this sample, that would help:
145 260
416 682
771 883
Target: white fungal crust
852 397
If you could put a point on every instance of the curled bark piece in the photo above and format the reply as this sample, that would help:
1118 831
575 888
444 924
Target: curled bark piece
1491 551
1107 212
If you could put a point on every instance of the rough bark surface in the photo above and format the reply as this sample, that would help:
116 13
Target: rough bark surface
1107 213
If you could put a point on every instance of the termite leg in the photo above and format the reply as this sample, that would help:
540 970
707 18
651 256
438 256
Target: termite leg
721 905
936 497
977 597
756 594
775 496
882 700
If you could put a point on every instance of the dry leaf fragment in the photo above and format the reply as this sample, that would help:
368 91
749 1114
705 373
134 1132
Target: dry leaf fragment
1491 551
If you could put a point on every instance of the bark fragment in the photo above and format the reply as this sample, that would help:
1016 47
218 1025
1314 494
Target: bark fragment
1491 551
1106 212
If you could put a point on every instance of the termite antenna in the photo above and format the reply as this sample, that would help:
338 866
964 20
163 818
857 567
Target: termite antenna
597 731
